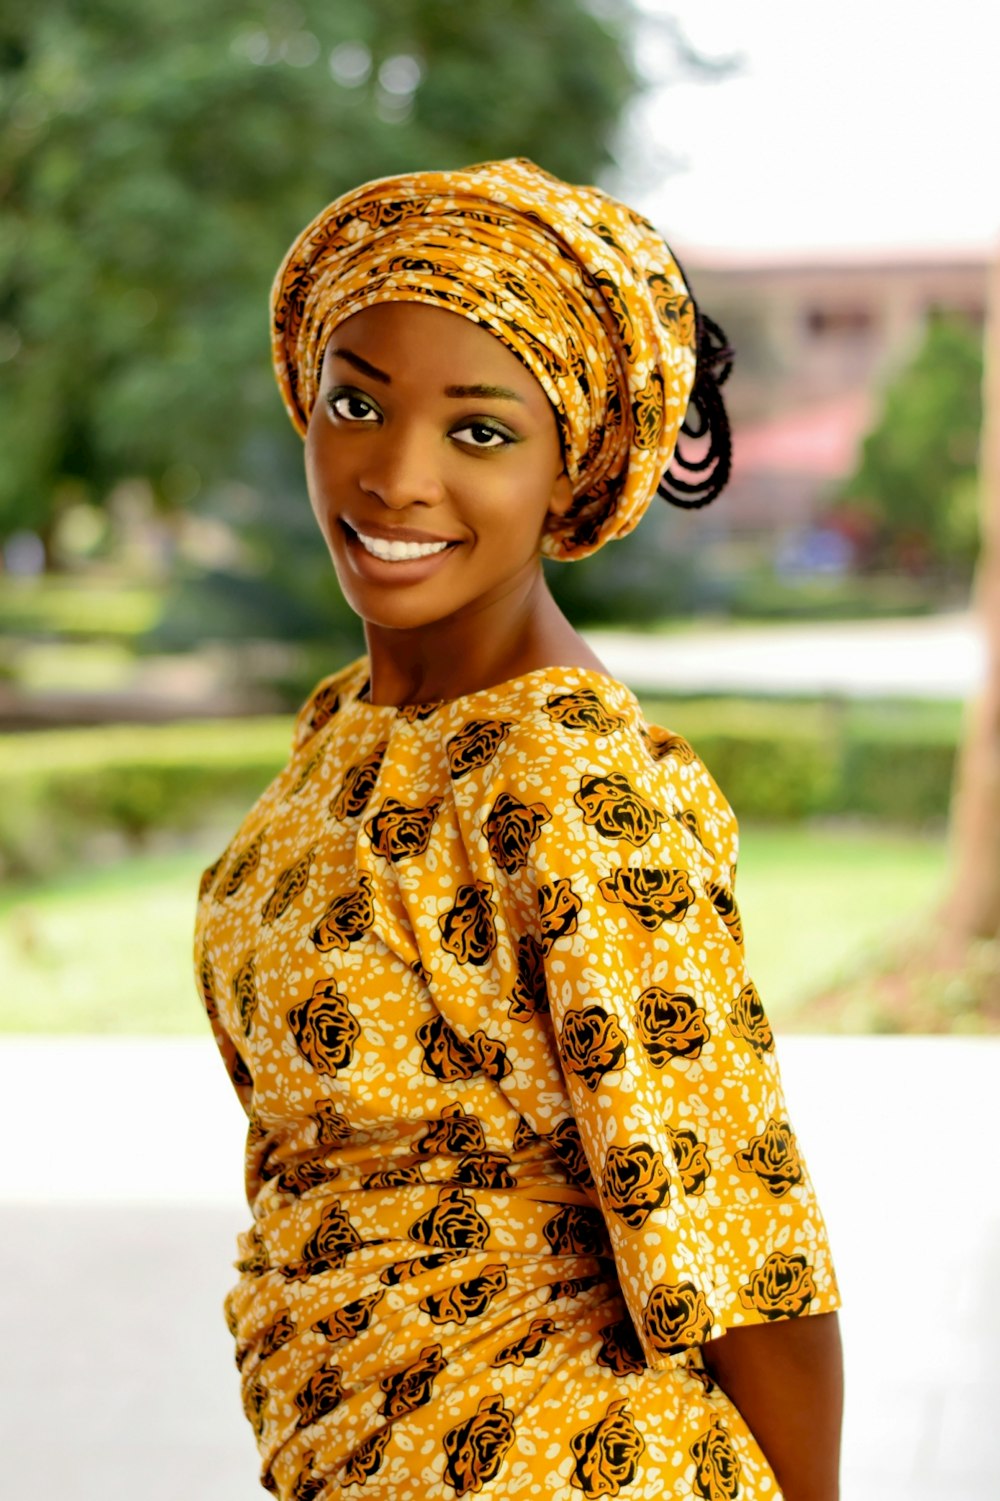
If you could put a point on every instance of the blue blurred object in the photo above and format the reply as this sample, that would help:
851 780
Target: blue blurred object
817 550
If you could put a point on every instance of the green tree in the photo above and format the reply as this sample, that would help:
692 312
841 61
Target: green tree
916 479
158 158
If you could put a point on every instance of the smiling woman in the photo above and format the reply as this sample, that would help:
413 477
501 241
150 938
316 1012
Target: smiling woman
433 461
529 1218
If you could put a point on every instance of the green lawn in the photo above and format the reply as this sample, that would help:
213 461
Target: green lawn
818 904
107 950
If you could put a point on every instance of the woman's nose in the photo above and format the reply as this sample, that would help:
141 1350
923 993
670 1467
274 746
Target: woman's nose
401 471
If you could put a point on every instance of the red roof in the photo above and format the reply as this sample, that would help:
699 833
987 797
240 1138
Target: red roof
821 440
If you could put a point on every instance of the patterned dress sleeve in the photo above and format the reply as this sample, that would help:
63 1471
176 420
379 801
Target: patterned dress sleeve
238 859
322 704
208 986
609 854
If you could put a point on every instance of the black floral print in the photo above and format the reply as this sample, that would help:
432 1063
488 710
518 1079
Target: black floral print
516 1141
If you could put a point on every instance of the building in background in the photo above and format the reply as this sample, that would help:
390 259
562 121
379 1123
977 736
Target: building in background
816 342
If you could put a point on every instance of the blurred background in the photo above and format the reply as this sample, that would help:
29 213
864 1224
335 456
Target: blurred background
827 634
165 601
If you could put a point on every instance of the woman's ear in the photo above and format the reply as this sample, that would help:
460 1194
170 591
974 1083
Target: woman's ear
562 496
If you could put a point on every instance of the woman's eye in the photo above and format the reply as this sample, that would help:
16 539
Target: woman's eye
481 435
350 407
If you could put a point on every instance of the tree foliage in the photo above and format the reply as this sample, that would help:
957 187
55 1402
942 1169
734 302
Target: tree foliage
157 160
916 480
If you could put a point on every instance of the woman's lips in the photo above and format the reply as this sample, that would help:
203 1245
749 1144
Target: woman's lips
399 570
394 533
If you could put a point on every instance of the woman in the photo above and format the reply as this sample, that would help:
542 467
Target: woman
529 1218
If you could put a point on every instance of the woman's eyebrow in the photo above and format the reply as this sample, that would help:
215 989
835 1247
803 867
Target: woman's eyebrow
500 392
359 364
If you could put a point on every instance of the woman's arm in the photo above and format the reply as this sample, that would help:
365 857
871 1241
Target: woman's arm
787 1380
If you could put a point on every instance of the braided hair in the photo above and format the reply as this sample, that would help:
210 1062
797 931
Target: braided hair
694 478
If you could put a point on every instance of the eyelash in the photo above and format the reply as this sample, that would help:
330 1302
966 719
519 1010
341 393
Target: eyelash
336 396
494 429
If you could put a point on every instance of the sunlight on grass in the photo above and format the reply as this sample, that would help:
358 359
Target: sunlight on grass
77 666
65 606
817 903
104 951
109 950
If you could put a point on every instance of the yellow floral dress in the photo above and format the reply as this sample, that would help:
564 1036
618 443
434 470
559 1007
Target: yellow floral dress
517 1145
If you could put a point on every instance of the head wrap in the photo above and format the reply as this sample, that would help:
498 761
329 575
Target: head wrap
580 288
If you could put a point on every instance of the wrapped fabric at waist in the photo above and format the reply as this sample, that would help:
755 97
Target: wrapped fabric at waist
337 1292
321 1231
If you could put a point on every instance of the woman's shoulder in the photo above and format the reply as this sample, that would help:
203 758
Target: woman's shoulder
564 718
577 743
326 699
540 711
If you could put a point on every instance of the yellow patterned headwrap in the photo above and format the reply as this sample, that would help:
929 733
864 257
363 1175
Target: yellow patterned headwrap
583 290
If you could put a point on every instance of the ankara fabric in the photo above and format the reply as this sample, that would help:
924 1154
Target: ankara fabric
581 288
517 1145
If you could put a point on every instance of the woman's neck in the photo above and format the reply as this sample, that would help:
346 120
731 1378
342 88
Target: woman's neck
450 658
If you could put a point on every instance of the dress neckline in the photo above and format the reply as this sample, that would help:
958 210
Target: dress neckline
505 689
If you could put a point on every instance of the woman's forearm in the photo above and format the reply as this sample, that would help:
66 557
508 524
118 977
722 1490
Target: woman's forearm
786 1378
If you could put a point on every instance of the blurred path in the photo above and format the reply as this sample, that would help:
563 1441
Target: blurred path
117 1222
938 656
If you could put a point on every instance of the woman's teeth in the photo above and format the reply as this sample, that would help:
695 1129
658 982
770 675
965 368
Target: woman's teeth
394 552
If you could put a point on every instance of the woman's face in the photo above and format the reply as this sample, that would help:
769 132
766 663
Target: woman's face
433 460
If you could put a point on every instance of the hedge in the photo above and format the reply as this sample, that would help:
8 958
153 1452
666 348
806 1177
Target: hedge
67 792
776 761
